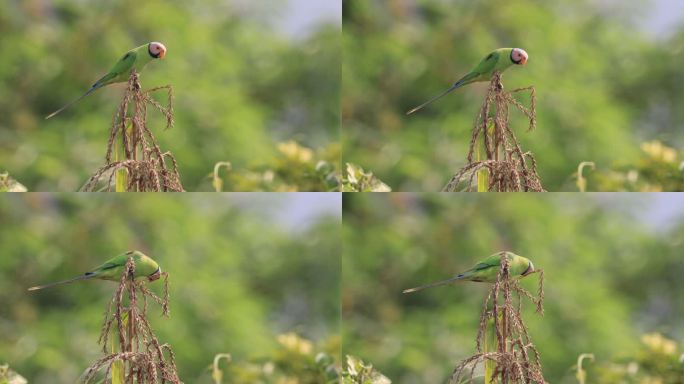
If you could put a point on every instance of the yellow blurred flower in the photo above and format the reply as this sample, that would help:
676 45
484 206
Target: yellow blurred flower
651 380
658 343
293 151
295 343
657 150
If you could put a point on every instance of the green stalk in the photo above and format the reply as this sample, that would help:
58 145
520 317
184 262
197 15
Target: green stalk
581 180
217 373
118 365
581 373
490 346
121 177
482 174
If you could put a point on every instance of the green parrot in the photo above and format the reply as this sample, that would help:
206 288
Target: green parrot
487 270
498 60
112 269
135 59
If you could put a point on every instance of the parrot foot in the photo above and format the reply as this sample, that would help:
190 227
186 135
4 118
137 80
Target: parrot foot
135 81
498 85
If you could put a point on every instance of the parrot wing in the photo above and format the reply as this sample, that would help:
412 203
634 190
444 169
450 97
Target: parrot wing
485 66
485 270
112 268
491 261
122 66
108 265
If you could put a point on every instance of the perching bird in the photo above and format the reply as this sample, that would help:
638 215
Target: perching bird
112 269
487 270
499 60
135 59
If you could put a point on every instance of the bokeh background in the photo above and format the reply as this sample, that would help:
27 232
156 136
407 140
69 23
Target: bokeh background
244 270
255 83
612 265
607 76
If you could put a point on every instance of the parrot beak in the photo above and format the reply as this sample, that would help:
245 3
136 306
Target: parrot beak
530 269
162 53
523 60
156 275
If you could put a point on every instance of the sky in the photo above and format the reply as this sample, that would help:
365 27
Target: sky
303 15
665 210
304 209
298 211
295 211
663 16
659 211
300 16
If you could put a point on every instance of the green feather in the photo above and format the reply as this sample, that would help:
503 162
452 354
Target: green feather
113 268
487 270
498 60
135 59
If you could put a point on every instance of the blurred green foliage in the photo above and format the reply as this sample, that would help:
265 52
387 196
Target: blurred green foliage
295 168
240 86
659 168
609 277
240 275
603 85
296 361
658 360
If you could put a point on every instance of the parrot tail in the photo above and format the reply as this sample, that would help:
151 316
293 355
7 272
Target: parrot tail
87 276
458 84
459 277
96 86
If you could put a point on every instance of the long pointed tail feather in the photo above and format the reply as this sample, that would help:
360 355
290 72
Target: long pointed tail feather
443 282
74 101
458 84
77 278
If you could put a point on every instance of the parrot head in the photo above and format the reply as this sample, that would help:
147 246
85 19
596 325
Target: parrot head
156 50
519 56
